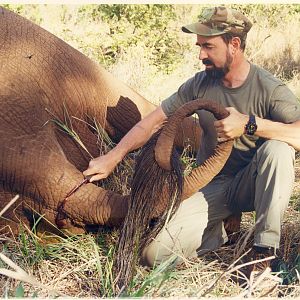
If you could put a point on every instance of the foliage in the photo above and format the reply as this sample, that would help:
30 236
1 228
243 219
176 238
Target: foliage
274 14
31 12
132 25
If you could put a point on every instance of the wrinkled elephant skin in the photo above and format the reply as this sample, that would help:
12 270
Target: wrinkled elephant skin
41 77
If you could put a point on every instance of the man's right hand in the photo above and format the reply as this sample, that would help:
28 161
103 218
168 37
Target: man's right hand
101 167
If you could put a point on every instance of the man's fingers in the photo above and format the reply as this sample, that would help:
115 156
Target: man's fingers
222 139
218 124
96 177
93 176
87 173
230 109
88 177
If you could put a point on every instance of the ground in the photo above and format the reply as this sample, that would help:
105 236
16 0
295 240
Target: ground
81 266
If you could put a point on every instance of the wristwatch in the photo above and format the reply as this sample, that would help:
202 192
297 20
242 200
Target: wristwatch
251 126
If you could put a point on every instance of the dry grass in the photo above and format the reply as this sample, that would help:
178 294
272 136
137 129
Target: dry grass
81 266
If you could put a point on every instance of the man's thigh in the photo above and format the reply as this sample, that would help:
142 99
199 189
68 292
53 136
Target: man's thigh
254 182
182 235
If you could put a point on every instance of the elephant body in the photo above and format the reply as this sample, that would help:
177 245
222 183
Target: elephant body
41 77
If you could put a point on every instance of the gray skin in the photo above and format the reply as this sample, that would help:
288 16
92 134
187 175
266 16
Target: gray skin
40 74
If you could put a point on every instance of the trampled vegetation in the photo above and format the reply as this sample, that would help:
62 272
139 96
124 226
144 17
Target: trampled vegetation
143 46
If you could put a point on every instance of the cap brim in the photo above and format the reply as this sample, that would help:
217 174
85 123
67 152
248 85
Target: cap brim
201 29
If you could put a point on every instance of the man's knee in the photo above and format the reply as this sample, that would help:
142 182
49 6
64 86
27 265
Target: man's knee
175 242
182 235
157 253
274 150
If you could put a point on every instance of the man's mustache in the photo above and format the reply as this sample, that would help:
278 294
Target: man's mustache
207 62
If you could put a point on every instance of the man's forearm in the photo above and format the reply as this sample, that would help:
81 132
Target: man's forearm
100 167
288 133
134 139
139 134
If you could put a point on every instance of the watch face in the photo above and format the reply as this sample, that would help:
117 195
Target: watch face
251 128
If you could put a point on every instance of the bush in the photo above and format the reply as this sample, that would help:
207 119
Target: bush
146 26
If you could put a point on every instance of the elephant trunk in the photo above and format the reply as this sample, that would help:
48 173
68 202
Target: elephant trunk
157 188
92 205
203 174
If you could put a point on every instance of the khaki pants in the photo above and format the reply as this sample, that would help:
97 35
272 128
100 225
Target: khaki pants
264 186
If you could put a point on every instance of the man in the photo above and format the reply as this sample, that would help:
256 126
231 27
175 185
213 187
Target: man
264 122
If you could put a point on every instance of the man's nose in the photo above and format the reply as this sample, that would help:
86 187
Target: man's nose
202 54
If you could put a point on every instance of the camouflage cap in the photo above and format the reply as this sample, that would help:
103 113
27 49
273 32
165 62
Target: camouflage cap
219 20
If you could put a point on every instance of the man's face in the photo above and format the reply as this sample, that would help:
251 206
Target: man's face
215 55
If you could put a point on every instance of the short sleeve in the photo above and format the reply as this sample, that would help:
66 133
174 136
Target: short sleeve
185 93
285 107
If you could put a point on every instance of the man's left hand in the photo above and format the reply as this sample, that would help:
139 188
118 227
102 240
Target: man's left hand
231 127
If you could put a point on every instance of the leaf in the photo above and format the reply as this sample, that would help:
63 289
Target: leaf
35 294
19 291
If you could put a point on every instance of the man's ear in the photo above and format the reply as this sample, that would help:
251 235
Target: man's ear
236 43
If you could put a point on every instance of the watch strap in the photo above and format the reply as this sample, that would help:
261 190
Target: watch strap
251 126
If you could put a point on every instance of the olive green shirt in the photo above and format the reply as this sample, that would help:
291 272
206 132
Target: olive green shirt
261 94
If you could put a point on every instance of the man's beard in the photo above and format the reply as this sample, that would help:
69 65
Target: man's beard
217 72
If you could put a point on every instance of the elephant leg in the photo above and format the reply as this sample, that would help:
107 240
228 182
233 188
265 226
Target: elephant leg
37 168
20 214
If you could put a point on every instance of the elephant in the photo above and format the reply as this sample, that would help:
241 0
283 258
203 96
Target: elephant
41 77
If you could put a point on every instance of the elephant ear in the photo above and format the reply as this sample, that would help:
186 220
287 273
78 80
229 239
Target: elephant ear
204 173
